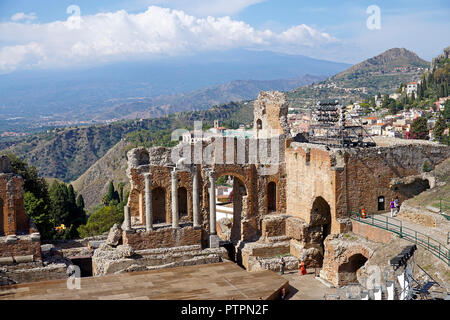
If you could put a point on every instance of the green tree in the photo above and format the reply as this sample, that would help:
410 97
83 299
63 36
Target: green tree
60 208
439 128
37 209
112 196
121 185
101 221
71 195
221 181
80 201
31 180
446 112
419 129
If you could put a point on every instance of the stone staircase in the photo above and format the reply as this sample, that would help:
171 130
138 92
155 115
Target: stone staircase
151 259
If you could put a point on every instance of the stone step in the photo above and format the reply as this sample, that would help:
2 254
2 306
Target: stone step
276 239
161 258
273 263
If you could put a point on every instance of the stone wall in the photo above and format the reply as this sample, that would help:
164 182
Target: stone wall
273 226
162 238
371 233
19 238
35 274
339 251
19 246
13 216
309 175
370 172
420 215
270 111
109 260
352 179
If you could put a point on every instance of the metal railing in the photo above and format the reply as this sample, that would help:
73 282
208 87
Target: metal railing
396 226
444 208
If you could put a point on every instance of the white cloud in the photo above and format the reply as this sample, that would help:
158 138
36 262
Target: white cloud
23 16
154 33
207 7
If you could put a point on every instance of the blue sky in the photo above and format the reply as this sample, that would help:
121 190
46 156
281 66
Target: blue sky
41 34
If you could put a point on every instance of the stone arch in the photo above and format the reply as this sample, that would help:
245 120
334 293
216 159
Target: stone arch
182 201
240 199
242 176
271 196
259 125
347 270
320 219
159 206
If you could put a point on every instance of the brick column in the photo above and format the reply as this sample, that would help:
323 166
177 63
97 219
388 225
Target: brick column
195 199
148 202
175 216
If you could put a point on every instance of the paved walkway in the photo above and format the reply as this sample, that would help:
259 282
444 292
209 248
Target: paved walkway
439 233
219 281
306 287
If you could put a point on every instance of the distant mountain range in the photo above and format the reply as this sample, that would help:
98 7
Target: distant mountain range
238 90
173 84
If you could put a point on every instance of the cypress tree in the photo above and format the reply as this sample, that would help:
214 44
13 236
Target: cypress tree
110 194
80 201
59 204
439 128
71 195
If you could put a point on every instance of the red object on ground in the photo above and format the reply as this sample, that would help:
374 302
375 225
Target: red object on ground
363 213
302 269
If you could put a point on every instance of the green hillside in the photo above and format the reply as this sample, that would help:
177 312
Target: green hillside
380 74
66 154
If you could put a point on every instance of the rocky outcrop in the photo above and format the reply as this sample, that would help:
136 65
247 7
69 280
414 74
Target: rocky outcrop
114 236
442 57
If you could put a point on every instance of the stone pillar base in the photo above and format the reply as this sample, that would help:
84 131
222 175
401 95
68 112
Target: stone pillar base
214 241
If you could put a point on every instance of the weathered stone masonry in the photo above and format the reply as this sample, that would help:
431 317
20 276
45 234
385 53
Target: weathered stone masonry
292 209
18 235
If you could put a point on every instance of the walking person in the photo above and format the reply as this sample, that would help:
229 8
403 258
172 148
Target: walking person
392 208
282 265
303 268
397 206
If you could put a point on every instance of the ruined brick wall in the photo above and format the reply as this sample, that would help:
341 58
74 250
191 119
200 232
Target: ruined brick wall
163 238
350 179
20 246
338 251
14 218
273 226
369 172
309 176
270 112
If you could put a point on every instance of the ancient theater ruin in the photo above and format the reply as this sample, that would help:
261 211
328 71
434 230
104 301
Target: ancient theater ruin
291 195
